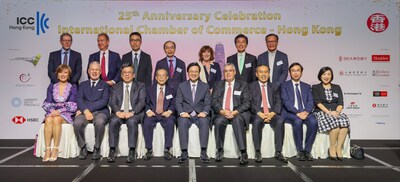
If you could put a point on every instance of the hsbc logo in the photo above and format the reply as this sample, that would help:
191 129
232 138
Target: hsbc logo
22 119
380 58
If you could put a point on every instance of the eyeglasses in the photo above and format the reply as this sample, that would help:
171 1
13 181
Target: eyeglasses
272 42
127 72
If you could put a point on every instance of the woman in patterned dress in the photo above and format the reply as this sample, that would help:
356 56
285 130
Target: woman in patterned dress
60 106
328 99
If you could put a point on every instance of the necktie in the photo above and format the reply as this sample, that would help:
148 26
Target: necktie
93 83
136 63
103 67
193 113
264 100
65 61
228 97
126 99
171 69
241 63
299 99
160 102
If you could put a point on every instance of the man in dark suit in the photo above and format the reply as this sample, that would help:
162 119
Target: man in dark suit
266 108
160 107
110 61
193 104
127 102
231 104
65 56
298 103
276 60
176 67
92 103
244 62
140 60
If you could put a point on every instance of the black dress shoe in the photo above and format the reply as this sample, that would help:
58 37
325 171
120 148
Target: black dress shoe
167 155
308 156
131 156
331 157
183 158
112 155
301 156
243 159
219 155
204 157
96 154
148 155
83 153
258 157
340 158
279 156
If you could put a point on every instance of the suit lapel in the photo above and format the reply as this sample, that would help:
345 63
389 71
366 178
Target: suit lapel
270 94
153 95
237 100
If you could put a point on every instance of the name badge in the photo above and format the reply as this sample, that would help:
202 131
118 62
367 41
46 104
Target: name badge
237 92
100 89
169 97
213 70
279 63
248 65
179 70
335 95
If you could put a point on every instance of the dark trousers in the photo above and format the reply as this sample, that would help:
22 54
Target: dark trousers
132 125
277 123
239 129
99 121
166 123
183 127
297 125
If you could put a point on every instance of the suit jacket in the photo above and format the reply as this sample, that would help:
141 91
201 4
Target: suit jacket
169 98
249 68
213 76
287 94
319 97
94 99
273 95
184 100
75 63
179 73
281 65
114 65
137 97
145 67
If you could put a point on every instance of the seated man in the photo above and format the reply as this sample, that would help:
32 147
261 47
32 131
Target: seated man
231 104
266 107
92 102
193 103
160 107
127 102
298 102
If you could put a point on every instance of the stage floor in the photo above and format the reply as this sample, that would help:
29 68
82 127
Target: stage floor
382 163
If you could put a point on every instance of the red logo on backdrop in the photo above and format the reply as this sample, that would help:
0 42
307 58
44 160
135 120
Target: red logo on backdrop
380 58
377 22
18 119
374 105
380 93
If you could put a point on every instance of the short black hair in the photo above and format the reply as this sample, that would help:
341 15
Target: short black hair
272 34
296 64
135 33
191 65
242 36
127 65
171 42
322 71
269 70
65 34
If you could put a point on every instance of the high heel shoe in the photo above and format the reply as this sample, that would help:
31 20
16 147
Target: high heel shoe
52 158
331 157
46 159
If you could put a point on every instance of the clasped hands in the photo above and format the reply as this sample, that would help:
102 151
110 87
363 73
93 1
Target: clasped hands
229 114
166 114
266 116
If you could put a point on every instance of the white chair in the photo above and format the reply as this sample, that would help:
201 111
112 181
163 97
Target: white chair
194 148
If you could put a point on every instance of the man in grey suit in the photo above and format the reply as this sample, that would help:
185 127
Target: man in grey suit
276 60
193 104
266 107
231 104
127 102
92 103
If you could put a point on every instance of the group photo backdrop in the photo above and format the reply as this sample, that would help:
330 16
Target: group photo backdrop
359 40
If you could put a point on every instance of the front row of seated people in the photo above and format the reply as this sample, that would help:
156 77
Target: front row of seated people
231 101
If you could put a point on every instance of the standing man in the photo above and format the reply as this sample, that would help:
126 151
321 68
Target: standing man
244 62
276 60
176 67
231 104
127 102
160 107
193 104
266 108
140 60
92 102
298 103
65 56
110 61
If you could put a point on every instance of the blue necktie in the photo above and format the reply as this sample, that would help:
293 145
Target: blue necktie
299 100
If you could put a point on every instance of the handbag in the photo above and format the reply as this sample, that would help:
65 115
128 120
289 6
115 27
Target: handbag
357 152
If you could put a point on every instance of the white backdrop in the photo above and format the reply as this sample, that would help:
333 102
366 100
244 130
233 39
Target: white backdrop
315 33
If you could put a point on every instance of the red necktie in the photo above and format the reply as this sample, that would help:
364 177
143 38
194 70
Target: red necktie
228 97
171 68
160 102
264 100
103 68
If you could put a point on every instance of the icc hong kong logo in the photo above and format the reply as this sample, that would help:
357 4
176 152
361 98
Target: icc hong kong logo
377 22
18 120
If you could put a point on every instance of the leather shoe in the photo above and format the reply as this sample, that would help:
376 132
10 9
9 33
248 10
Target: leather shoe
204 157
167 155
279 156
308 156
112 155
83 153
219 155
243 159
131 156
258 157
301 156
148 155
96 154
183 158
